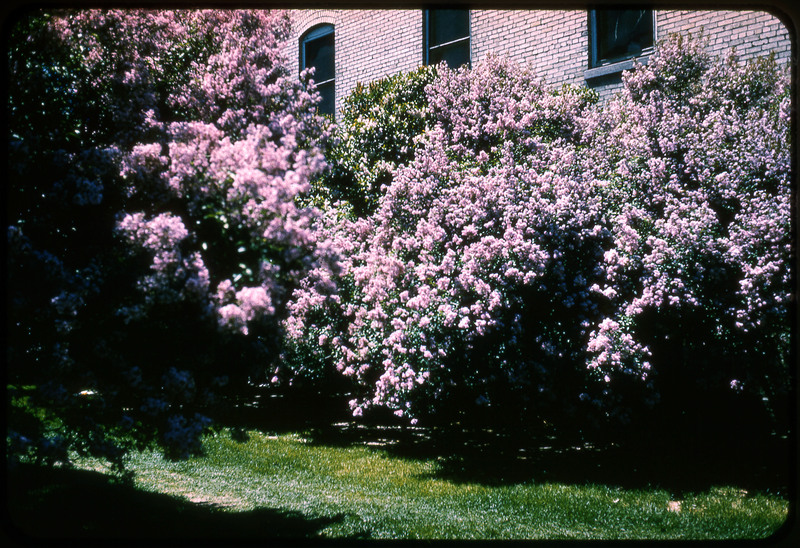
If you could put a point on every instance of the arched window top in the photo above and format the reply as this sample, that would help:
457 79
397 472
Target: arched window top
317 31
317 50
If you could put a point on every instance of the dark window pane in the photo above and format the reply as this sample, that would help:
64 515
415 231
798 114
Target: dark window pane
454 55
447 39
328 103
319 54
317 50
622 34
447 25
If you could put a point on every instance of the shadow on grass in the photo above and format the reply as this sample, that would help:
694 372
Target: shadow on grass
688 459
56 504
679 470
496 458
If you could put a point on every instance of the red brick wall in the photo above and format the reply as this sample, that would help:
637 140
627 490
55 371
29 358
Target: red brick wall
751 33
375 43
554 42
369 43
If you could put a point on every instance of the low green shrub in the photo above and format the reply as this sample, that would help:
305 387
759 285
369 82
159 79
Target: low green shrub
376 134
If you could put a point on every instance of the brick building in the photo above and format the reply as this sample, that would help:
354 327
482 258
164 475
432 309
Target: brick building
585 47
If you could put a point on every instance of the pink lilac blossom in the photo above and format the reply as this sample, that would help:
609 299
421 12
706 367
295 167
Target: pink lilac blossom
640 204
178 161
454 235
701 172
253 157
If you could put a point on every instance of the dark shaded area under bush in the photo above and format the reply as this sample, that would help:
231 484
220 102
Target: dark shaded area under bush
689 449
494 458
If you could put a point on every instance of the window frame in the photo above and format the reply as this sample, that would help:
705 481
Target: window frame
605 66
427 48
319 32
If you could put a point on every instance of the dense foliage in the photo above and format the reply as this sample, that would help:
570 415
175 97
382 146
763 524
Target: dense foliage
153 229
695 157
491 251
376 132
543 258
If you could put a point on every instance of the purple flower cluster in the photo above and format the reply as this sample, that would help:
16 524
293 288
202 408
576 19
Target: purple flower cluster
522 203
165 210
695 161
249 161
486 208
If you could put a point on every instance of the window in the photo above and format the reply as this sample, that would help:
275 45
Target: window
317 50
619 35
447 37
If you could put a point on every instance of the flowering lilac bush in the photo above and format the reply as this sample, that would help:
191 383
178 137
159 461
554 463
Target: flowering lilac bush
459 291
156 161
542 256
695 159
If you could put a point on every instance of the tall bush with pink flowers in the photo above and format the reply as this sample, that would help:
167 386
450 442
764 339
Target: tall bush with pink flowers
468 290
154 233
695 158
544 258
535 258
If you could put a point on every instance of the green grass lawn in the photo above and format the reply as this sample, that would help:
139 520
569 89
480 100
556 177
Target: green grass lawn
286 486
